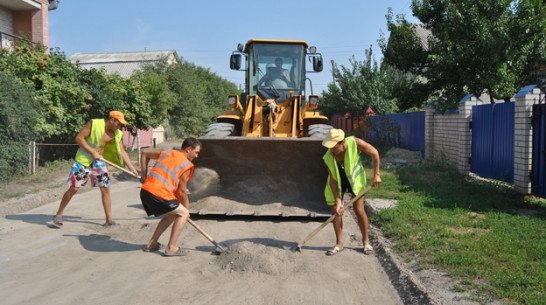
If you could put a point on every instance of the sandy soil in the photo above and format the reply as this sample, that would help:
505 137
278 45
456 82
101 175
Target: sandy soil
86 263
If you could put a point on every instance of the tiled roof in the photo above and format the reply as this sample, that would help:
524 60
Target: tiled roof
124 64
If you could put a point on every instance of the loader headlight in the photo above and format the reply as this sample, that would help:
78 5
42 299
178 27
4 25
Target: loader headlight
232 101
313 101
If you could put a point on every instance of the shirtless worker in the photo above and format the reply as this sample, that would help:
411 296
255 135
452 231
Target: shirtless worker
99 138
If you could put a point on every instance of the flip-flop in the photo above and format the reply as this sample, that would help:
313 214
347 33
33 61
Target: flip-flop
368 249
58 221
179 252
152 249
333 251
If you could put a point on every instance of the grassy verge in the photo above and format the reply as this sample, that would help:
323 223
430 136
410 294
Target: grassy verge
487 237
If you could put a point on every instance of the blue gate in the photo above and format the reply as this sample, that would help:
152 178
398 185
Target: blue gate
402 130
538 176
492 153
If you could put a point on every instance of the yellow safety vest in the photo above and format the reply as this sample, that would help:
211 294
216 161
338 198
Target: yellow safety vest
354 169
111 152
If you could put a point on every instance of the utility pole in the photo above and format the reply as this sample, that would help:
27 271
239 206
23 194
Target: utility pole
333 69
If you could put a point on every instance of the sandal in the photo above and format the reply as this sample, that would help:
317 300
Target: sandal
333 251
179 252
155 248
58 221
368 249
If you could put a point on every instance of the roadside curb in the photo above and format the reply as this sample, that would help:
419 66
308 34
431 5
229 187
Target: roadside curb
409 286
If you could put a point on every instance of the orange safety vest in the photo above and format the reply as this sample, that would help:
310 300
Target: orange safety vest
163 179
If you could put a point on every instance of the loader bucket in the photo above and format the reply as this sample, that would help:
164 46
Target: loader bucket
259 177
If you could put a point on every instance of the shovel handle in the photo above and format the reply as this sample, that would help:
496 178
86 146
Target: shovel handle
198 228
219 248
119 167
331 218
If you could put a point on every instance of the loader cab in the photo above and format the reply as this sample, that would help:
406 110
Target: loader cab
275 68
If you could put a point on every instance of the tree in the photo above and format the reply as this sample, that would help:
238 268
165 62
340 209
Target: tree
366 84
473 47
197 96
18 118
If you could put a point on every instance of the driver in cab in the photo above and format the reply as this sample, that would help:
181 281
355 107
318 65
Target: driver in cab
276 76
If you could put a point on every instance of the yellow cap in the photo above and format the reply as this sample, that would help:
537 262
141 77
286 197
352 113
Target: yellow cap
333 136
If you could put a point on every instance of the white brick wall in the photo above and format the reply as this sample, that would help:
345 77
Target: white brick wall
523 140
448 138
6 21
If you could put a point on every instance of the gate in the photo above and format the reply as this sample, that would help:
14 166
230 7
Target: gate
492 153
538 174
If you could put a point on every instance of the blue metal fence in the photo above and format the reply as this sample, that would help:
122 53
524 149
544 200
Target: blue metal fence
403 130
492 152
538 176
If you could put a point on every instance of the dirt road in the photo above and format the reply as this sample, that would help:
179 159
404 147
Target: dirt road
84 263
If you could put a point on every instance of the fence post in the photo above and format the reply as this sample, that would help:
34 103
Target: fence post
429 132
138 145
523 137
32 157
465 134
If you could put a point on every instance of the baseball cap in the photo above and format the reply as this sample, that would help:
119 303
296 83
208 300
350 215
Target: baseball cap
332 137
118 116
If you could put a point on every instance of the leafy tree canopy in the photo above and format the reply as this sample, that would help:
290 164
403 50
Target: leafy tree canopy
367 84
492 46
197 96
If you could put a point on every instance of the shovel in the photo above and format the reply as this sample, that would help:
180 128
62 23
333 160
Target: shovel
219 249
329 220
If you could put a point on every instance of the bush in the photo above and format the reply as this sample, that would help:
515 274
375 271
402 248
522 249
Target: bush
18 117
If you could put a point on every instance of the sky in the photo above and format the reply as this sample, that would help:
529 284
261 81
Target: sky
207 32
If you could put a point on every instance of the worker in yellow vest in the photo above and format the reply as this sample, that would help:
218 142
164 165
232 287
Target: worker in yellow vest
346 174
99 138
164 191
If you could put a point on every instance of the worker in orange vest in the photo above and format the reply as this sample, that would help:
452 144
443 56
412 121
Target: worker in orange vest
164 191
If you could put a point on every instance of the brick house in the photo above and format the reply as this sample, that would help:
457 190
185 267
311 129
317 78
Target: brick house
25 19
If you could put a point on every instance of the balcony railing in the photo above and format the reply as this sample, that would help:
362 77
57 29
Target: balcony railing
8 41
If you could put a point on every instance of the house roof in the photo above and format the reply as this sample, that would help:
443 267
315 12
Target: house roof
124 63
423 34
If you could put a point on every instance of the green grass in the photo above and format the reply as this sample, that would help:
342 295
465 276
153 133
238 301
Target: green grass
471 228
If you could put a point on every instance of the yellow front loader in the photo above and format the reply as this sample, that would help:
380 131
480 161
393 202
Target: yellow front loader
266 150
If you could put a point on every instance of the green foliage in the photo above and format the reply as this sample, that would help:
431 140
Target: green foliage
369 84
18 118
159 97
472 47
189 97
197 96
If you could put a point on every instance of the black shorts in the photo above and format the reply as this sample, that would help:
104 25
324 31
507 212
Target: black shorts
156 206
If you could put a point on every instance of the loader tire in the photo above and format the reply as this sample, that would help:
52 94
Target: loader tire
220 130
319 131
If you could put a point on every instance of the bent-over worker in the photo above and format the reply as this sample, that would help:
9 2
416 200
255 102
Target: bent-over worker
346 174
164 191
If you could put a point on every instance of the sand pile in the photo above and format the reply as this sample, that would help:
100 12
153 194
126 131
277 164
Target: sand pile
204 182
396 157
252 257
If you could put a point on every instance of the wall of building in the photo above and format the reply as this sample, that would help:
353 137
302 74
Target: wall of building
32 24
6 21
